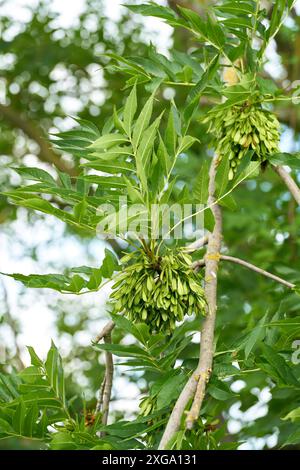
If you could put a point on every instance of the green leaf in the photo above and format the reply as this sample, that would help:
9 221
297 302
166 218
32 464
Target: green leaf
30 420
215 33
38 204
289 159
239 22
280 366
55 373
77 283
111 154
19 418
107 141
276 18
63 441
256 335
110 181
51 281
293 438
229 202
133 193
200 189
121 350
152 9
142 121
197 23
144 151
87 126
117 121
236 8
80 210
293 415
266 86
36 174
5 428
30 375
163 156
219 390
170 390
65 180
110 264
129 111
113 166
222 176
185 143
170 140
35 360
8 388
204 81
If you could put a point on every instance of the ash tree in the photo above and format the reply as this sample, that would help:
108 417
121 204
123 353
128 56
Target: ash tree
165 288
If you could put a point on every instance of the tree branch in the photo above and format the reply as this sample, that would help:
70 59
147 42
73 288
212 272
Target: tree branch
257 270
100 396
201 262
46 154
109 373
207 333
196 245
105 331
106 385
105 389
288 181
197 381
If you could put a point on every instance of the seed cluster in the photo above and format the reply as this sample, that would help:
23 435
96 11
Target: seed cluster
158 290
239 129
147 405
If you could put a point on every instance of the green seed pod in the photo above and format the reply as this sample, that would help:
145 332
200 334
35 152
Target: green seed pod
242 128
160 293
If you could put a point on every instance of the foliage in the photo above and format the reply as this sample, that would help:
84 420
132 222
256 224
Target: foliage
155 157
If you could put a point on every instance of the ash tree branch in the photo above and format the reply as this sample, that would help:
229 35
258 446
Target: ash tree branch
257 270
46 154
288 181
211 283
109 373
100 396
105 331
196 245
105 390
200 263
195 387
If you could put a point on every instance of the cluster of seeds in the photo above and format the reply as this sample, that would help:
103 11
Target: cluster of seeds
147 405
242 128
158 290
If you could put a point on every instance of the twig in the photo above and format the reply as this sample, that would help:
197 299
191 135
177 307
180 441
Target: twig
289 182
206 347
196 245
109 373
105 331
257 270
100 396
201 262
198 264
106 385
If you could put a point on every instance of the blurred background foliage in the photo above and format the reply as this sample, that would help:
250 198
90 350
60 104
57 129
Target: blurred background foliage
49 72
